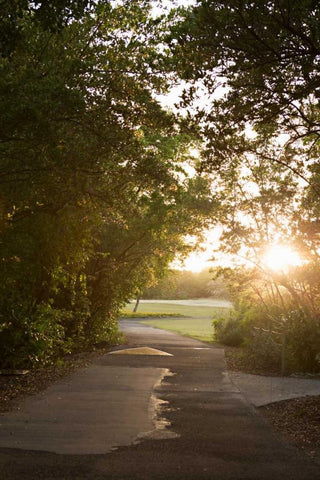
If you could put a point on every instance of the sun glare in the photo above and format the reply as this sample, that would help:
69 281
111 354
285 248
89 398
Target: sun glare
195 263
281 257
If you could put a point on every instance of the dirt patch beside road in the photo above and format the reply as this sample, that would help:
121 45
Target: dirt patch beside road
298 420
13 388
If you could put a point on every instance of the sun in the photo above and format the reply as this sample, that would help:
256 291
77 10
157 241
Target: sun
281 258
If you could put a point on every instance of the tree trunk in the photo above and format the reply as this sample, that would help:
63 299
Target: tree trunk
137 304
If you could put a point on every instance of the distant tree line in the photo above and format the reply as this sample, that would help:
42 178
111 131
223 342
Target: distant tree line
183 284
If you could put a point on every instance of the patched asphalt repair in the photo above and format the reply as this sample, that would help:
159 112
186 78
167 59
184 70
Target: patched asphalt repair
147 416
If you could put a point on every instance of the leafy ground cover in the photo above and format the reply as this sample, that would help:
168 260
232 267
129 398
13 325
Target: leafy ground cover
298 420
239 360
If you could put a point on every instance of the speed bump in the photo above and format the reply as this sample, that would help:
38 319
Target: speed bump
140 351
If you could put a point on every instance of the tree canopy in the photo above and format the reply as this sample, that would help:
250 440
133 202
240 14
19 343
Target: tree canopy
257 66
94 199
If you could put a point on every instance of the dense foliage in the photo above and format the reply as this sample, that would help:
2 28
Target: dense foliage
94 199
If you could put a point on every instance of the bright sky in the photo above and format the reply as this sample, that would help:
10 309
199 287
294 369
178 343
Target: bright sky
277 257
201 259
281 257
196 262
161 6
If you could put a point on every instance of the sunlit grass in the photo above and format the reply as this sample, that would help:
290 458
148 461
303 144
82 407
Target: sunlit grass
148 314
199 328
174 309
193 321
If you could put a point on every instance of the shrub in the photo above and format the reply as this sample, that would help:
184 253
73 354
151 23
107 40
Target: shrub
27 340
229 331
303 339
264 351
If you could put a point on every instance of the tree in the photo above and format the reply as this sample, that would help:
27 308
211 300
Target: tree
260 210
258 63
265 56
50 16
94 199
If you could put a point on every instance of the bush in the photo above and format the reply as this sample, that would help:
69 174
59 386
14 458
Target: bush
303 340
36 340
264 351
101 328
229 331
41 338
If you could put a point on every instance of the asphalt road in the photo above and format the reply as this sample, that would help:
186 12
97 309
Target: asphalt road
139 416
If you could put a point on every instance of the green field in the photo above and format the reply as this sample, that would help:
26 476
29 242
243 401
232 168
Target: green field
195 321
172 308
199 328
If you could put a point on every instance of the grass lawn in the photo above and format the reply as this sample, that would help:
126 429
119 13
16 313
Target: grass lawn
172 308
195 321
199 328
